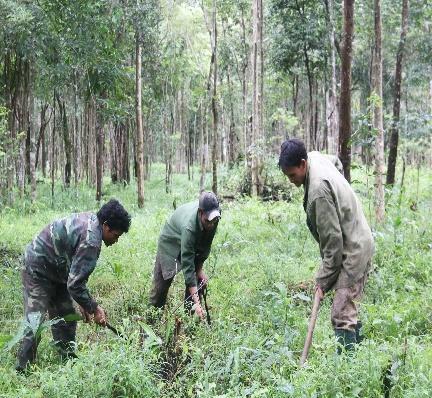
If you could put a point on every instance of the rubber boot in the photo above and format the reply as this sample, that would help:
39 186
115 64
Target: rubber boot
346 340
66 349
26 353
359 334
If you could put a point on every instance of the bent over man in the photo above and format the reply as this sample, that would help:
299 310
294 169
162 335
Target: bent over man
58 263
336 220
184 244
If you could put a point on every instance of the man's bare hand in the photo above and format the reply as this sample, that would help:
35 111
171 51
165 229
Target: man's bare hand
320 292
100 316
200 311
86 316
202 277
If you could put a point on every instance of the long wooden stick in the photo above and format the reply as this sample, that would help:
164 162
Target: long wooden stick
311 327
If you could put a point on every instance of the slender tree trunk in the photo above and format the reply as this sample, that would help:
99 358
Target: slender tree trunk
100 141
257 102
66 140
310 131
244 70
22 124
31 129
232 141
76 135
204 148
41 138
345 95
7 68
53 157
214 105
394 138
332 114
139 127
378 116
295 90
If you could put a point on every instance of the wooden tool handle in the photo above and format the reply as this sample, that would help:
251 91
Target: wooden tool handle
311 327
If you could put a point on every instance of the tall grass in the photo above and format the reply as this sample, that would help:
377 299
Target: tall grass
261 268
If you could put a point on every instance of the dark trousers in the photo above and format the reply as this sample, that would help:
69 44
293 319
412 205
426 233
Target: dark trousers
160 287
42 296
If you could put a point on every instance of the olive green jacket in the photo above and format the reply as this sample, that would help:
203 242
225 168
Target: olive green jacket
184 244
336 220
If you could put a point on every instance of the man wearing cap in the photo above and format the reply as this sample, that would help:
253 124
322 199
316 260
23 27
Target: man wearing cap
184 244
336 220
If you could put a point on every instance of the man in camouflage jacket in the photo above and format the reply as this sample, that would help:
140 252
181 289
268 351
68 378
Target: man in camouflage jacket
336 220
58 263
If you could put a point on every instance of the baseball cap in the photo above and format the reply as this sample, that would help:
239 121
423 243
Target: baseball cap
209 203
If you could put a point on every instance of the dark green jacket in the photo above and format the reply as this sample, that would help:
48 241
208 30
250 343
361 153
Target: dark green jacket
183 243
337 222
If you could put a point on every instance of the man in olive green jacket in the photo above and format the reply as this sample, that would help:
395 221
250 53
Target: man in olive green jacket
336 220
184 244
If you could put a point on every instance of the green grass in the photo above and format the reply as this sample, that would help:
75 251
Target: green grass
261 268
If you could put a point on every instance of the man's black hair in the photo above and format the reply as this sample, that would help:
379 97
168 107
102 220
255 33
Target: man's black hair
115 216
292 152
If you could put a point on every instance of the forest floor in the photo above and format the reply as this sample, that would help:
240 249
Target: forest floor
260 294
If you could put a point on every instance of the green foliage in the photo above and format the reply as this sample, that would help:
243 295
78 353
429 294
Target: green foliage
235 180
261 268
299 35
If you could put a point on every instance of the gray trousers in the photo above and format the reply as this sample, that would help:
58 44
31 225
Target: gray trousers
160 288
42 296
344 311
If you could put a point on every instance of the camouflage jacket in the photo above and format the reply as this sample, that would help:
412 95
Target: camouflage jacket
337 222
184 244
66 252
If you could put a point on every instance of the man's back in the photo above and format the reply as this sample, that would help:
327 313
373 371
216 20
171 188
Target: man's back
324 182
53 250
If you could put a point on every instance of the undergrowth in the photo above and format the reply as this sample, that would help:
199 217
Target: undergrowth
261 282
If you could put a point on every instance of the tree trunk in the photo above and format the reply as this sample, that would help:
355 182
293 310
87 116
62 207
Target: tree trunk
232 137
41 138
53 154
139 126
332 113
31 130
204 148
100 141
66 141
378 116
345 95
77 136
214 105
257 101
394 138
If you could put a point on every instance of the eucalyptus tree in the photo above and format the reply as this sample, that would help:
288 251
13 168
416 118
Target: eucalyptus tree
394 138
345 94
378 114
22 35
257 64
146 22
234 61
300 47
187 81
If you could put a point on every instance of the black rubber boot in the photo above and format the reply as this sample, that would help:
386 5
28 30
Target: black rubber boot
66 349
26 353
359 334
23 370
346 340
